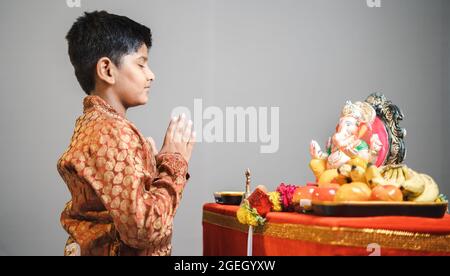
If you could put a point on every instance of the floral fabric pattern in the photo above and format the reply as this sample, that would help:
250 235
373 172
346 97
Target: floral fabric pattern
124 198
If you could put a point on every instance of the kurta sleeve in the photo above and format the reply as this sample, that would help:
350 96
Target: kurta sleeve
141 198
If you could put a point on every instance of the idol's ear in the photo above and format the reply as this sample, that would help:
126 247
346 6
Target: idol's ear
368 113
390 115
363 128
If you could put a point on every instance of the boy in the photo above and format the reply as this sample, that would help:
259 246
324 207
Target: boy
124 193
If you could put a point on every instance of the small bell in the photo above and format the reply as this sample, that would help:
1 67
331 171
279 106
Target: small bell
247 183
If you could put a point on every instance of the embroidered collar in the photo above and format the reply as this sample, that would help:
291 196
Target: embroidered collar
93 101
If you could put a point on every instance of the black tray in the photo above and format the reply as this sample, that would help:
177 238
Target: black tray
379 208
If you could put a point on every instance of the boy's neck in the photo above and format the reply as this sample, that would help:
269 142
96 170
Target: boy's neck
112 100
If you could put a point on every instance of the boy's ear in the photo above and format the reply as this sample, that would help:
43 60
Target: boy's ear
106 70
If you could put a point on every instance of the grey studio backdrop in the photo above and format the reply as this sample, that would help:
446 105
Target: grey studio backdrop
304 56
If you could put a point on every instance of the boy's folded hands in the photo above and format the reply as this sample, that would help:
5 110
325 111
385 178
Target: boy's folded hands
179 138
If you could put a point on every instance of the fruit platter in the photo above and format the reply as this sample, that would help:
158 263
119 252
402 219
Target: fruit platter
361 173
387 190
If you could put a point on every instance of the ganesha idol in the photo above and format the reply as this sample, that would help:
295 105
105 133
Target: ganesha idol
367 132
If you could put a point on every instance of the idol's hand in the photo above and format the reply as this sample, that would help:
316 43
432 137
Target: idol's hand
179 137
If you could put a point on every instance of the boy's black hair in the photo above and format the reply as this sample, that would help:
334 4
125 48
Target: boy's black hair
100 34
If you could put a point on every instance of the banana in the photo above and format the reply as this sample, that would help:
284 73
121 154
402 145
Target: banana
341 180
357 174
393 178
388 174
374 177
412 172
400 177
344 174
345 170
328 176
406 173
394 175
400 172
372 172
414 186
430 193
358 162
318 166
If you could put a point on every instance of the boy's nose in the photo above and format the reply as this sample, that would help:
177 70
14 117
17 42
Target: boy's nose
151 76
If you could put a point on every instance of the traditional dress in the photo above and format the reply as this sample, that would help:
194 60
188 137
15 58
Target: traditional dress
124 198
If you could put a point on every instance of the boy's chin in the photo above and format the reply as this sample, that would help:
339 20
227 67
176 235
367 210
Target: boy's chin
144 99
141 100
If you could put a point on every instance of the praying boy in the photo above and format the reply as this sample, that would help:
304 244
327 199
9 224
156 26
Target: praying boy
124 193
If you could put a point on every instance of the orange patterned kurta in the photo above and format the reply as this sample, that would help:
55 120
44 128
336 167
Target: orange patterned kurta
124 198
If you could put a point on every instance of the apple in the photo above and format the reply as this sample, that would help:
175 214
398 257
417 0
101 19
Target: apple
325 194
330 185
303 192
302 197
386 193
364 187
352 192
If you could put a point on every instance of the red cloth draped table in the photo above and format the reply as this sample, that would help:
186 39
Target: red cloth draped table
305 234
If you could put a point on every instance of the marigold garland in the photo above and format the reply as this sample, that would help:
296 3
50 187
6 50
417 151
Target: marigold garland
248 215
276 201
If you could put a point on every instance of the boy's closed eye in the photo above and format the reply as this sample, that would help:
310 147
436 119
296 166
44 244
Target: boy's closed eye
142 61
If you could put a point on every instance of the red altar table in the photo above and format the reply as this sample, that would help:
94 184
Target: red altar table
306 234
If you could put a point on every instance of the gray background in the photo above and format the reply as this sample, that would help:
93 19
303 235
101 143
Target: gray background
307 57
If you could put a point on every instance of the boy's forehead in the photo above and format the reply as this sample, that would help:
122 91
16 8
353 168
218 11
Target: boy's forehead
143 50
142 57
141 53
